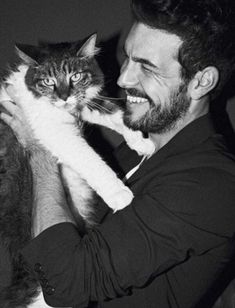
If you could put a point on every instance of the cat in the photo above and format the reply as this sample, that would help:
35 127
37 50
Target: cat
59 88
53 102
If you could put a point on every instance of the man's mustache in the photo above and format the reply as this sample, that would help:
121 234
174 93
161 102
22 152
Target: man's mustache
134 92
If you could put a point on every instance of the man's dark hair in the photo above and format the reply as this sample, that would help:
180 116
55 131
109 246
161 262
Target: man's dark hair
206 28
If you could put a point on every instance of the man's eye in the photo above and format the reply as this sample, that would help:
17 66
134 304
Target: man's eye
48 82
76 77
147 69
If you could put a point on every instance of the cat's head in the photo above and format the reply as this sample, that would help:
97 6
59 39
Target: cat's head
67 73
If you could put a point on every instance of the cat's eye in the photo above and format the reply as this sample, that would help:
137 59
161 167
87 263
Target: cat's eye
76 77
49 82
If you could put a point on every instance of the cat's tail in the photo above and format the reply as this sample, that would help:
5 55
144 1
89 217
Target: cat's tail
23 288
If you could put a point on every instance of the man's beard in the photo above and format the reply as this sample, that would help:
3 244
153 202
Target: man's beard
157 119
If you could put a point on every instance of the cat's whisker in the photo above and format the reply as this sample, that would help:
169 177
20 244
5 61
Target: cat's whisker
6 101
111 98
110 80
100 77
101 100
97 106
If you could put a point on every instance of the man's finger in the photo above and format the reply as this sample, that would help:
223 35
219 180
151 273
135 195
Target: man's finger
8 119
8 106
15 96
10 90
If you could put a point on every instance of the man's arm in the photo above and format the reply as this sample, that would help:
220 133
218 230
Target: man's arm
49 206
131 246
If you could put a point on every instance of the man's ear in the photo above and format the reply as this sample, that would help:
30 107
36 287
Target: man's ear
203 82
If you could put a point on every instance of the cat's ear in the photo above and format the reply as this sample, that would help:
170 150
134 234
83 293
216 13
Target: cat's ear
26 53
89 49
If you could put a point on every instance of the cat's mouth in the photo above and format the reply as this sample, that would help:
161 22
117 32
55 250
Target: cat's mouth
68 105
72 105
60 103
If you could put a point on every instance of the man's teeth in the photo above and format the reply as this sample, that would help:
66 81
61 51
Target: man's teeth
135 99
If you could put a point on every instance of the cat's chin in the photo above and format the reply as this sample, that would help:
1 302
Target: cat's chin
73 110
60 104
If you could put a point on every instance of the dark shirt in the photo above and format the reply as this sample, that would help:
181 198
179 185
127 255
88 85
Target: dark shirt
167 249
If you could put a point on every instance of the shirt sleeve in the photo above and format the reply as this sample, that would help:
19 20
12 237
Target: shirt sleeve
128 249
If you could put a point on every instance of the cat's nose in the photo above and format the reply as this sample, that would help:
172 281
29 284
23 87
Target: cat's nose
64 96
63 92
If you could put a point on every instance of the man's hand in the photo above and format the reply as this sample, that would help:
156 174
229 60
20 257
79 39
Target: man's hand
14 116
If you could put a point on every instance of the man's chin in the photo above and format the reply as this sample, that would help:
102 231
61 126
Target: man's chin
138 109
135 112
129 122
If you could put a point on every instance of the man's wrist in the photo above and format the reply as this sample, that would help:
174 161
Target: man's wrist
38 155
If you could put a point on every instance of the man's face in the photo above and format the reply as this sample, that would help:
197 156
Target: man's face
156 95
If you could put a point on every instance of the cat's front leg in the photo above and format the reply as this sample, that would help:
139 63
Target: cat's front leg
114 121
81 195
110 120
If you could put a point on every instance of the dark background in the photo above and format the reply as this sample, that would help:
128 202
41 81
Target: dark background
27 21
59 20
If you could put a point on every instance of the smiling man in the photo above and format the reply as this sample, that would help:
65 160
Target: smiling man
157 97
170 247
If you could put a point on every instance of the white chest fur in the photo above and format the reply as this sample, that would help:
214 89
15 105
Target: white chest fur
39 302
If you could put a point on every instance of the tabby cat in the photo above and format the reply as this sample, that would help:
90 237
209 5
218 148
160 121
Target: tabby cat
59 88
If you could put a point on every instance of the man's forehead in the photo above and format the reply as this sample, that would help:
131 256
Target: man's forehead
145 41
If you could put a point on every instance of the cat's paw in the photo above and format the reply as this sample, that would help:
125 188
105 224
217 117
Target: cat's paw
143 146
113 121
120 199
91 116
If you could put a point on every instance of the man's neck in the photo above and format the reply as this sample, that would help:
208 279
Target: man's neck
161 139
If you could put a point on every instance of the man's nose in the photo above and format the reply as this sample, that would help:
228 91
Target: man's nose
128 76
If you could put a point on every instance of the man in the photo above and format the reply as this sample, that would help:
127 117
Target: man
171 245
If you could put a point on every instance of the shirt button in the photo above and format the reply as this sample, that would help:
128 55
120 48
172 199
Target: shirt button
49 290
37 267
41 275
44 282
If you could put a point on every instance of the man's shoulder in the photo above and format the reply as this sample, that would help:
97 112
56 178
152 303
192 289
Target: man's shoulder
212 155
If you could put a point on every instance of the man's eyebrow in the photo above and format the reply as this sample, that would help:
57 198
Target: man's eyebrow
144 61
141 60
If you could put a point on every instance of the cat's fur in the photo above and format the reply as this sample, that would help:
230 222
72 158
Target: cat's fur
55 117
